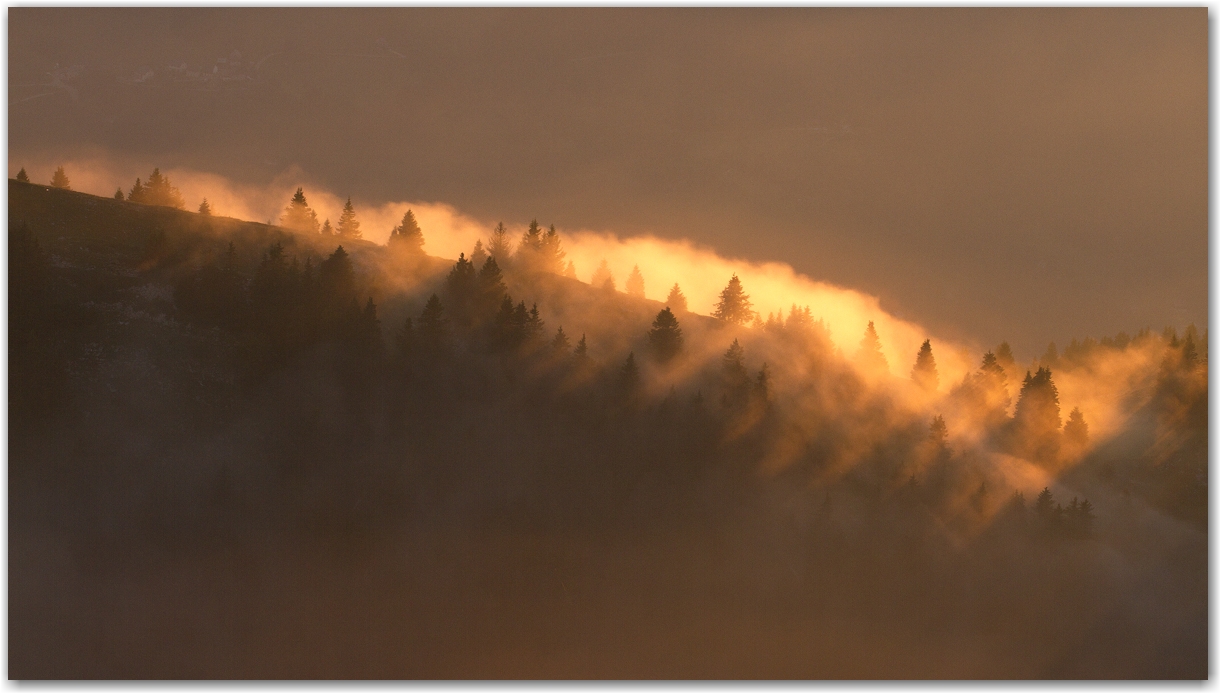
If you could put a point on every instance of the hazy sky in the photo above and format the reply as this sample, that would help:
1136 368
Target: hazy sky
1020 174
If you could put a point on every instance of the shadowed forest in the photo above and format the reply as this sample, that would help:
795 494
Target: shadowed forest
242 450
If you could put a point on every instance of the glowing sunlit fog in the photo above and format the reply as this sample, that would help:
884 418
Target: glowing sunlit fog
702 273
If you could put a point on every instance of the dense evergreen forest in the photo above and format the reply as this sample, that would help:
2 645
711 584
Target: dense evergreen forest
242 450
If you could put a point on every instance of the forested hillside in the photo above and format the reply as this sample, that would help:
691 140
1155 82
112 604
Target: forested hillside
240 450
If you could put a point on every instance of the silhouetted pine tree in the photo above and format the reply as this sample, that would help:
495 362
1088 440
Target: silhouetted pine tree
432 333
602 277
551 252
204 208
491 288
158 191
118 194
1050 359
665 338
629 376
461 285
734 306
1036 420
60 179
336 281
407 236
499 246
533 324
735 379
1076 431
326 229
635 283
560 343
1004 358
22 176
938 432
570 271
761 392
1044 504
989 390
505 331
136 193
581 352
478 256
870 350
924 373
348 226
298 216
676 299
529 250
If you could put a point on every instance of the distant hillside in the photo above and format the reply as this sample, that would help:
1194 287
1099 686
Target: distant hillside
236 451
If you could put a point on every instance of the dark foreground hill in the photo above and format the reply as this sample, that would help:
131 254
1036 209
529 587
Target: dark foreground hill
231 456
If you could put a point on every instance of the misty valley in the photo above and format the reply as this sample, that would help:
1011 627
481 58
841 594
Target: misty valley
249 450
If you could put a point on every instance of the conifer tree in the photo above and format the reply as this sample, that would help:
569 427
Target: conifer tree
560 343
1005 359
1050 359
570 272
533 323
582 349
136 194
734 306
1190 354
994 384
366 337
499 245
22 176
635 283
348 226
602 277
531 243
870 350
160 192
762 386
1038 404
676 299
60 179
337 277
431 333
406 236
800 320
1044 505
478 256
1036 419
1076 431
204 208
118 194
629 376
938 432
491 288
507 326
665 338
551 252
461 284
736 380
924 373
298 216
326 229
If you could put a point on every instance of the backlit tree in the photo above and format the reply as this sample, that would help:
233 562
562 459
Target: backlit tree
924 373
60 179
348 226
734 306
